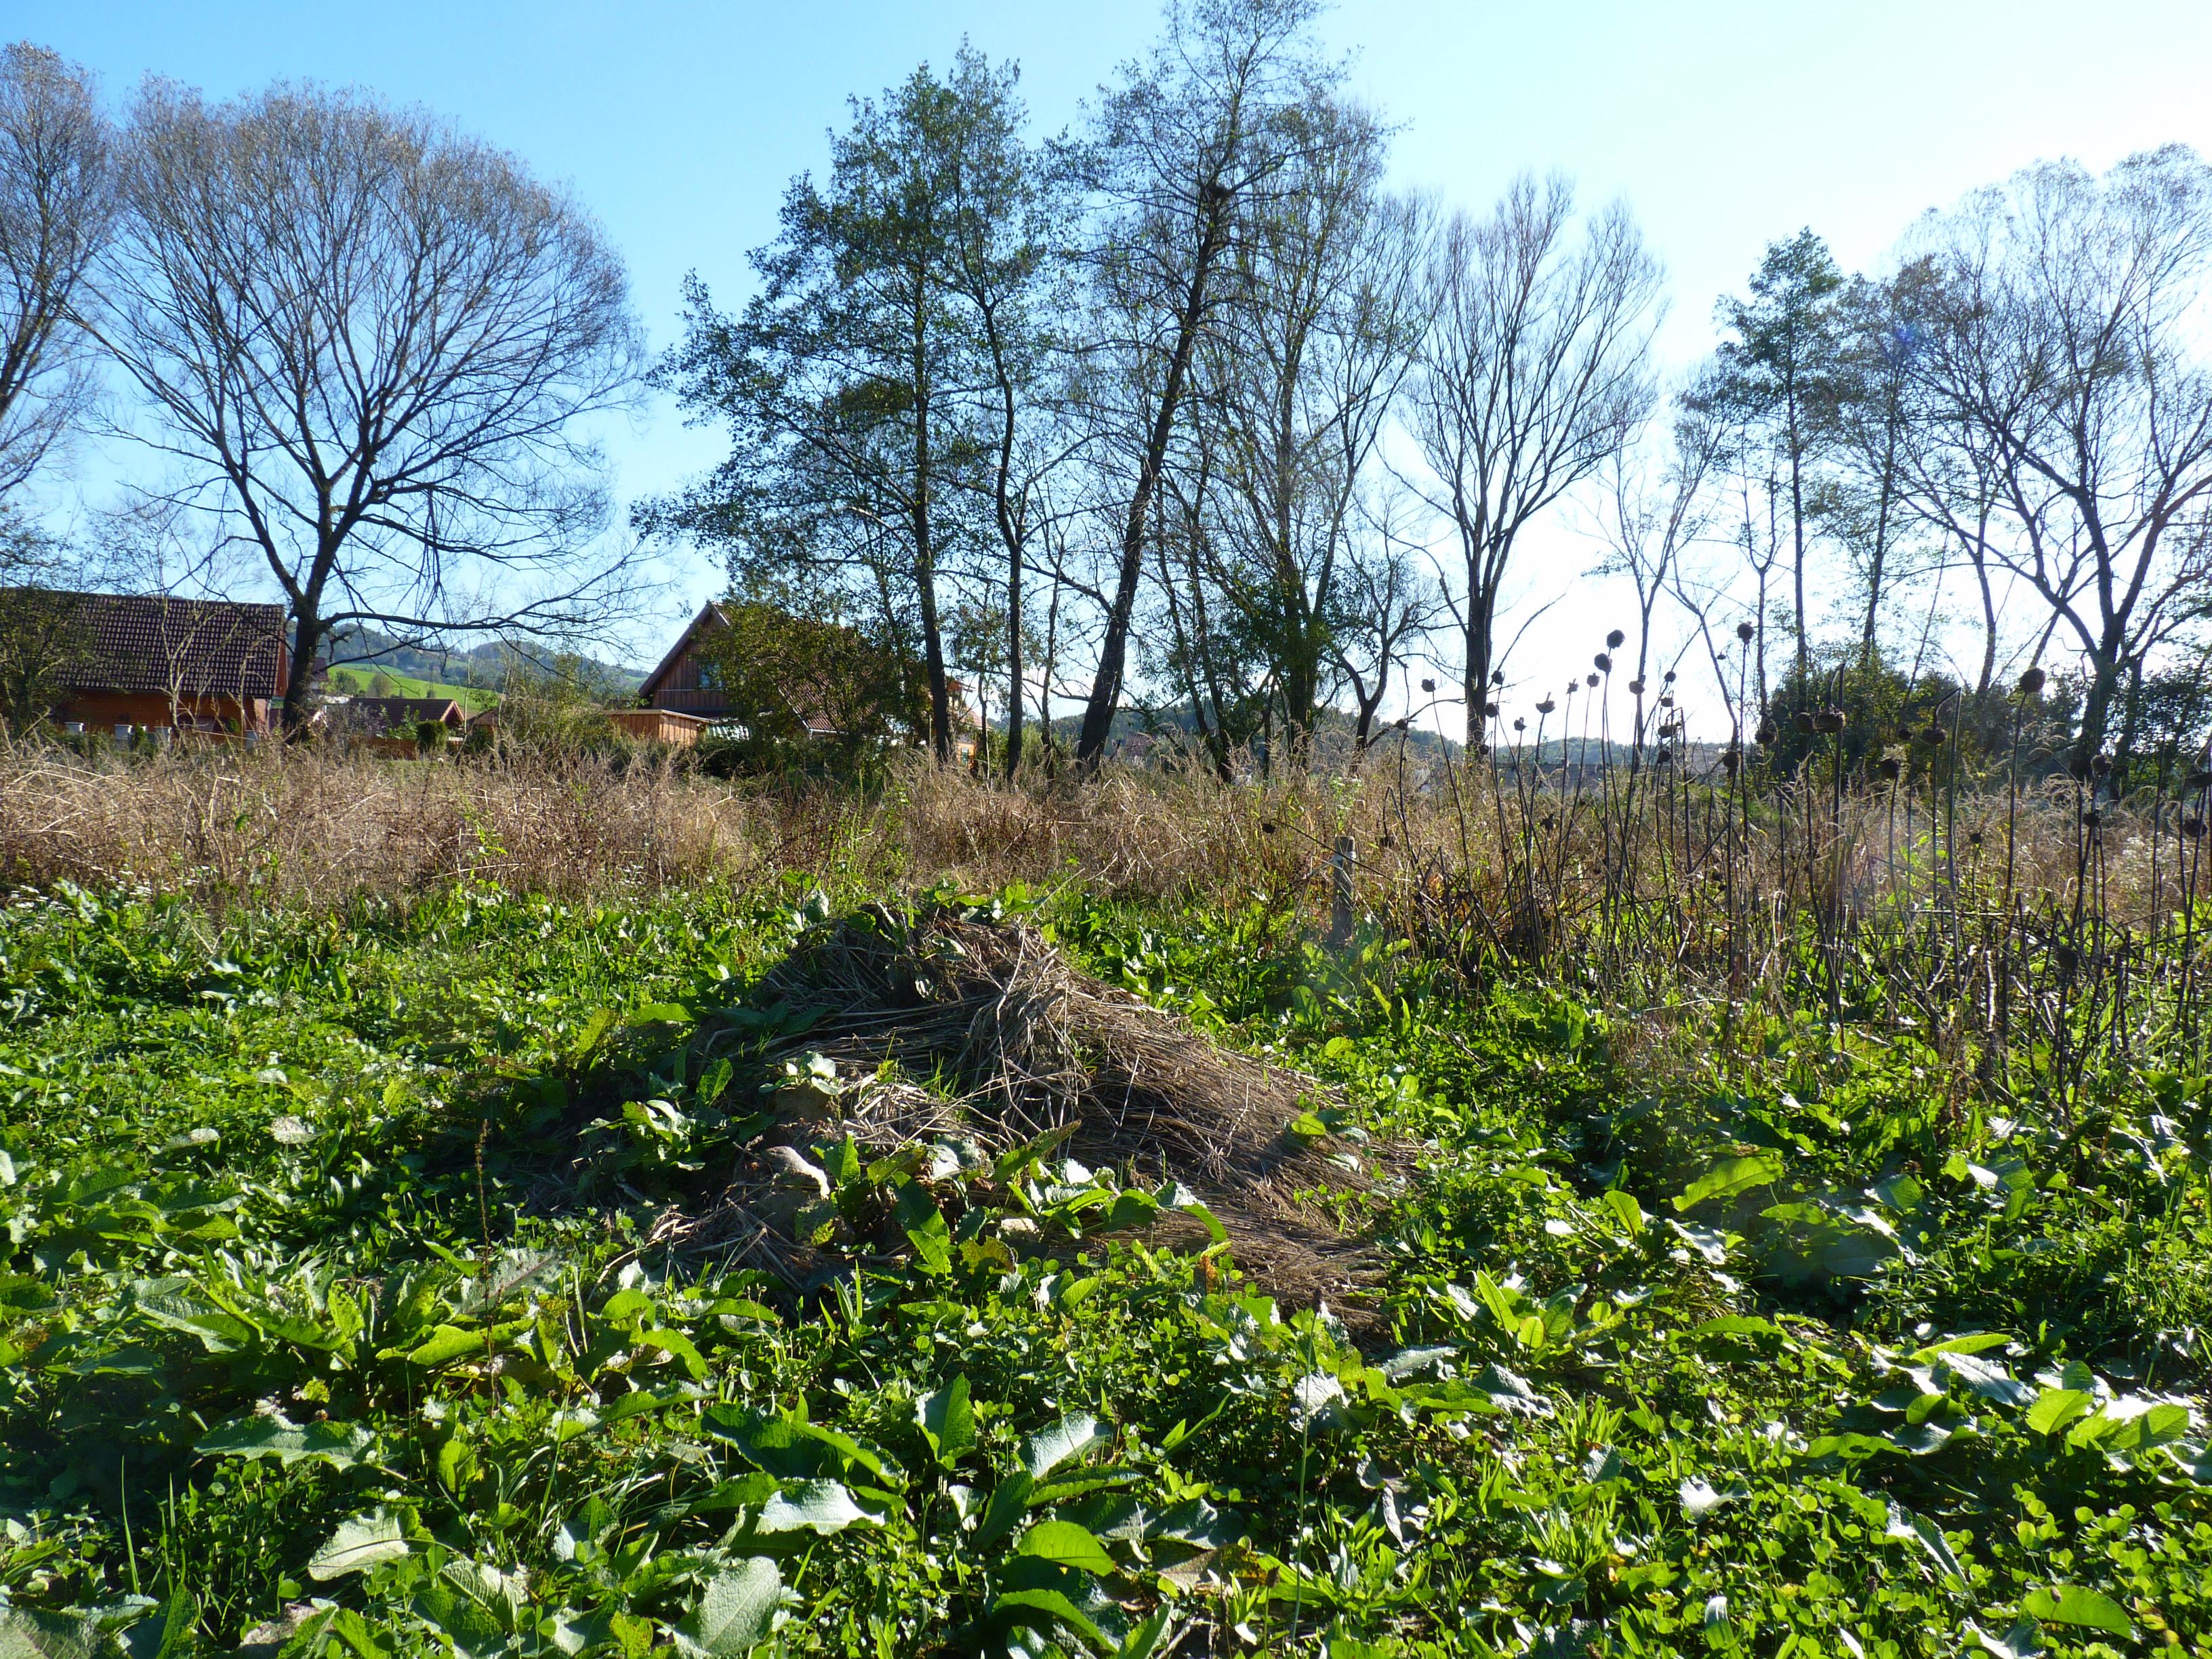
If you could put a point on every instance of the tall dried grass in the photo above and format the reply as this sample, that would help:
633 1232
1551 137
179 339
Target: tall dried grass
271 825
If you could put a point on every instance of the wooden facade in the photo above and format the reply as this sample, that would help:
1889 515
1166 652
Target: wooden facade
666 725
152 660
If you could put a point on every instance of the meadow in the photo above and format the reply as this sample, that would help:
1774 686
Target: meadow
550 1205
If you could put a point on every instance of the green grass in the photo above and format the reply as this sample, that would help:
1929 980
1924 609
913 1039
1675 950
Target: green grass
334 1285
359 680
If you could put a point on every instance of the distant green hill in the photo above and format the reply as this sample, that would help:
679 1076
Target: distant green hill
484 666
353 680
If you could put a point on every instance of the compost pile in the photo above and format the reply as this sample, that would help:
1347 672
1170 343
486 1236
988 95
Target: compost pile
1020 1042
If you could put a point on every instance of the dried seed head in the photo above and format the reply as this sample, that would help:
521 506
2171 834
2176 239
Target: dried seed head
1544 707
1745 632
2101 767
1801 722
1730 759
1490 709
1768 731
1615 639
1664 756
1519 725
1906 732
1829 720
1636 686
1428 685
1935 736
1889 768
1590 680
1498 676
2031 682
1974 838
1668 677
1604 662
2193 828
2200 779
1667 701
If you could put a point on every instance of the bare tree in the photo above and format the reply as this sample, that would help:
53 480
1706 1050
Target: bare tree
55 211
1535 372
1653 508
1296 386
1386 606
1182 146
2062 343
367 340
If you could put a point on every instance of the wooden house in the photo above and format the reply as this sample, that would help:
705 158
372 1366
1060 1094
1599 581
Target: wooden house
377 716
683 683
149 660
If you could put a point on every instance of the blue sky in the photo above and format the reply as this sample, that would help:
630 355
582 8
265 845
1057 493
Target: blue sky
1725 125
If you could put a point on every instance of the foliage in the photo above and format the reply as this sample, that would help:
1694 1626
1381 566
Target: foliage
789 672
342 1307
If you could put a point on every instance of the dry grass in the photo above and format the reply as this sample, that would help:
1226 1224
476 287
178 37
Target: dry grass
1444 850
1032 1046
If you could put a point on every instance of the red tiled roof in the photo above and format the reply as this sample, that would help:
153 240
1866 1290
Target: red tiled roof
195 647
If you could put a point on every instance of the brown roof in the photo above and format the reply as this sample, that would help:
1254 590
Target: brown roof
199 647
707 612
384 712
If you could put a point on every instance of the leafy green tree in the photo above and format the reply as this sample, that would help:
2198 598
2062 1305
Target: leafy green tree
855 385
1776 376
811 685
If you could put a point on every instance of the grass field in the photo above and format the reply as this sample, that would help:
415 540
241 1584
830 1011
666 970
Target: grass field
477 1271
357 680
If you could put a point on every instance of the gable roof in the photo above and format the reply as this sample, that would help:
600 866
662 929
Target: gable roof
196 648
383 712
707 612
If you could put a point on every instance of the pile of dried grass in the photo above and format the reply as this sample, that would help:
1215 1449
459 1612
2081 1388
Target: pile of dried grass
1027 1044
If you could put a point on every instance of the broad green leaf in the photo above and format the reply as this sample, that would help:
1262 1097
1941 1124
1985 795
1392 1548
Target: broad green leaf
1974 1342
168 1636
1145 1641
734 1616
341 1445
1073 1435
1905 1525
1017 1606
817 1506
359 1543
1065 1544
2054 1408
947 1421
1730 1176
2071 1604
1009 1502
678 1347
1625 1209
28 1633
218 1332
22 1295
445 1345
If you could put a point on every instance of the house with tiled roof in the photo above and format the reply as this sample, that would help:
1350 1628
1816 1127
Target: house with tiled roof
154 660
685 683
376 715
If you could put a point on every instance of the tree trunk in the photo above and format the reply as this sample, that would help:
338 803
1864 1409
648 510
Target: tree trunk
1113 648
925 554
1880 548
307 634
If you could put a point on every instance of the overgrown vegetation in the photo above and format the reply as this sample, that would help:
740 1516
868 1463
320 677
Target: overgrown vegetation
442 1264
